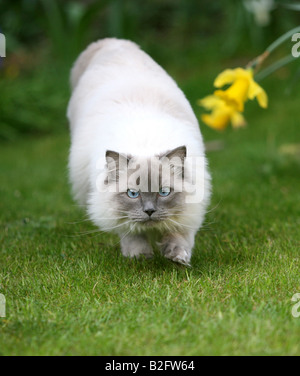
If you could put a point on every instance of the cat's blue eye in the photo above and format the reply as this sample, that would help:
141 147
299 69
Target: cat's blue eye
132 193
164 192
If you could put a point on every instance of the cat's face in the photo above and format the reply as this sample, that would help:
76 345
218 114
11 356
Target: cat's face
149 191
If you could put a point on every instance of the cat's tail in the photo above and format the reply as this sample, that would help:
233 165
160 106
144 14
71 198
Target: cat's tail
85 58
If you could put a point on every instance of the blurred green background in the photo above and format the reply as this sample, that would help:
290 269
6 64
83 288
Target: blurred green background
187 37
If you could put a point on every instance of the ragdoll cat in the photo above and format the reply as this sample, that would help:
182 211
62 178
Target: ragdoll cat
130 123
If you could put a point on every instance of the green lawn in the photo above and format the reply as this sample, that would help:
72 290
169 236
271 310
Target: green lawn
74 294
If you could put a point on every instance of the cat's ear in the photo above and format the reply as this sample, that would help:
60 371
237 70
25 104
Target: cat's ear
175 158
116 162
179 152
117 158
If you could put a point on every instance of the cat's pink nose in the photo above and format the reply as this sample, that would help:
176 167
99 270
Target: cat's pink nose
150 212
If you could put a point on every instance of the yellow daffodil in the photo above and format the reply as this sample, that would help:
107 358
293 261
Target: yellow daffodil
227 105
243 88
221 115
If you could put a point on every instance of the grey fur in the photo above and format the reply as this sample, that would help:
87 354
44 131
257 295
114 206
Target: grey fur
150 211
136 246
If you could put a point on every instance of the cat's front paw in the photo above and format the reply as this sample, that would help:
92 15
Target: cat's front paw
136 246
177 254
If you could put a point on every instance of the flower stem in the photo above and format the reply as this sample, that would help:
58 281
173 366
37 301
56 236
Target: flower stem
257 62
282 39
274 67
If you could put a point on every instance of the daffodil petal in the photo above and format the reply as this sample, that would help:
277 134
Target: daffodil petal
209 102
227 105
219 120
238 120
233 101
256 91
262 99
224 78
244 73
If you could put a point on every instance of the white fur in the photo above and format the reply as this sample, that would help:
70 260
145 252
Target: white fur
123 101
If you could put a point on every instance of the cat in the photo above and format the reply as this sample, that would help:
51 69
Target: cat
130 122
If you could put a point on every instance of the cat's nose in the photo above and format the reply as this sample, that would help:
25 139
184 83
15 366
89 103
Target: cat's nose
150 212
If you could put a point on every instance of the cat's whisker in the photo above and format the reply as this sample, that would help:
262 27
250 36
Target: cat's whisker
181 224
88 219
124 235
115 227
83 234
214 208
183 214
77 222
101 231
110 218
168 227
207 226
127 233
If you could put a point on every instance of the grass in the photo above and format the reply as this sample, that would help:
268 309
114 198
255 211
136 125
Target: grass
73 294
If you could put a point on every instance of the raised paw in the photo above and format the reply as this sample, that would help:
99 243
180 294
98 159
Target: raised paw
177 254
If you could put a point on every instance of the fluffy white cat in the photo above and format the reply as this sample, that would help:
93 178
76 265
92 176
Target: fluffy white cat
126 108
